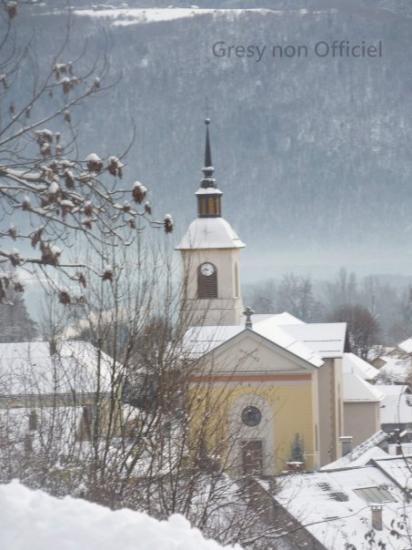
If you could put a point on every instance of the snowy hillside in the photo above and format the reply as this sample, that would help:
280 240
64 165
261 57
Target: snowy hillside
312 154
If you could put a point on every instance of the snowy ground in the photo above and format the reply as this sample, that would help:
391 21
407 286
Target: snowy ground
133 16
33 520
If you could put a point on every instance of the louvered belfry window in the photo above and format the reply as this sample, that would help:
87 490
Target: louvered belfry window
209 206
206 284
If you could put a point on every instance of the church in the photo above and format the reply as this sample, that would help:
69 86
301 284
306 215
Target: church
274 384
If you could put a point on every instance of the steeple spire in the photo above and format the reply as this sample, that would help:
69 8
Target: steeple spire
208 170
208 152
208 196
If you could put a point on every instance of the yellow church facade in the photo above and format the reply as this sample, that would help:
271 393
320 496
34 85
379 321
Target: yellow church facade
261 399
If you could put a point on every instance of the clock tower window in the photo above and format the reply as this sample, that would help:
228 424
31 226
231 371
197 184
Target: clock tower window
207 281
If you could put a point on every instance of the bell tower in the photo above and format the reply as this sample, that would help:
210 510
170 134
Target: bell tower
211 253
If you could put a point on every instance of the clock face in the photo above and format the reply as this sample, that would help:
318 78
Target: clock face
207 269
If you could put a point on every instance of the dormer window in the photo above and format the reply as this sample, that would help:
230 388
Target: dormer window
207 281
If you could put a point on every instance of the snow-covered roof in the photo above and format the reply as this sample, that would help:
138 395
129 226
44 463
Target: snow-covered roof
406 345
396 406
201 340
284 318
309 341
208 191
335 506
326 339
31 520
210 233
399 469
361 455
353 363
28 368
346 461
396 369
356 389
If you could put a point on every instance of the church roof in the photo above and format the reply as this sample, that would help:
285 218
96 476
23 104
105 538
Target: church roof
207 233
311 342
201 340
325 339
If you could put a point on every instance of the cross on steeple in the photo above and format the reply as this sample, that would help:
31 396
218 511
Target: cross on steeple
248 314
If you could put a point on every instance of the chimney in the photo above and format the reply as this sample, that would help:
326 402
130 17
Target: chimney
346 444
376 510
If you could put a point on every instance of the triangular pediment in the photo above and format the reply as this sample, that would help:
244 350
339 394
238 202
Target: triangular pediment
249 352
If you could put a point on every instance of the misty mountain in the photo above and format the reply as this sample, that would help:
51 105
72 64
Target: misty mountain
313 154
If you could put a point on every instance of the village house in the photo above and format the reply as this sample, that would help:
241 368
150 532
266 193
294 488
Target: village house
49 393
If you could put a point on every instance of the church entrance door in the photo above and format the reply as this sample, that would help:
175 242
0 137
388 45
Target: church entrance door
252 457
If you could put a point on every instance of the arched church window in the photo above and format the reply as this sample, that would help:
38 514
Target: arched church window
207 281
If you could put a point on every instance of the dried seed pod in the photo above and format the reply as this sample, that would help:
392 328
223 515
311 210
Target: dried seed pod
64 297
114 166
168 223
11 8
36 237
88 208
107 273
69 178
50 254
18 287
82 280
94 163
139 192
67 116
66 85
26 204
14 258
148 208
45 150
96 84
12 232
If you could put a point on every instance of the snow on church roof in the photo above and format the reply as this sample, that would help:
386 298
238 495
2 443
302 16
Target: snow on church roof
210 233
312 342
326 339
201 340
